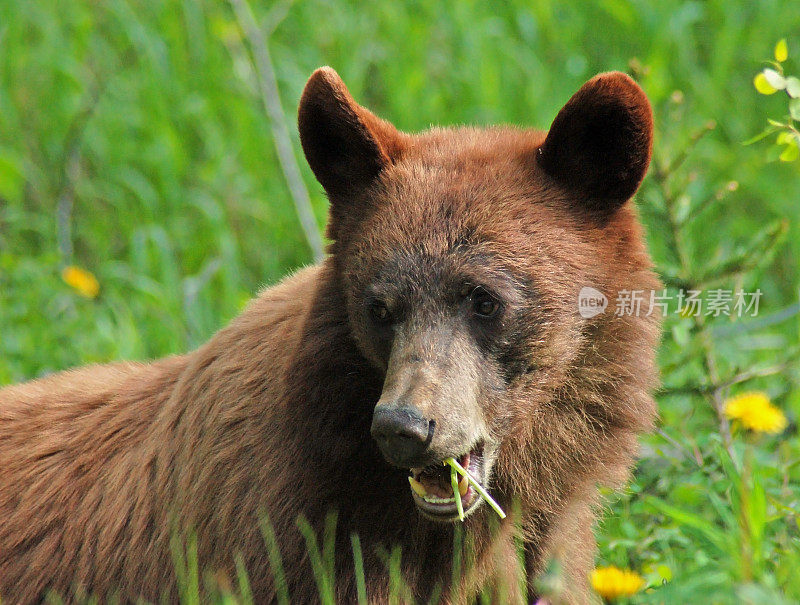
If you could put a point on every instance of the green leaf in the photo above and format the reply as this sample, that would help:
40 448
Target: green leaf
793 87
790 153
757 510
682 517
794 109
776 80
681 332
683 206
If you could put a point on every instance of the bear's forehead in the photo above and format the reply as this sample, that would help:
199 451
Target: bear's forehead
447 209
497 204
463 145
433 237
482 176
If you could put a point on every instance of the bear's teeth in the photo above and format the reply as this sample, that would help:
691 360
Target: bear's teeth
418 488
463 486
437 500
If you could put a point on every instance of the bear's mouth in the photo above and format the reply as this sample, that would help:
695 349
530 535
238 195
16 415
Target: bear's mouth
432 489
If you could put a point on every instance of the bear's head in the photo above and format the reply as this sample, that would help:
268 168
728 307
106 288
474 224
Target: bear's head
465 256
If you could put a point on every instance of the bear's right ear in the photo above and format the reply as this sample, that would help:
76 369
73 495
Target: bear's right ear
346 146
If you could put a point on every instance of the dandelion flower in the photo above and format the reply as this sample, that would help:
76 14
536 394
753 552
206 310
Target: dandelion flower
81 280
756 412
612 582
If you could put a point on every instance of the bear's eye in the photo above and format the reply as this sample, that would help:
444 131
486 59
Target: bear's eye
483 303
379 311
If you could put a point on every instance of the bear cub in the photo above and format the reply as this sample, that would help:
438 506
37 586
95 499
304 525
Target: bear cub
445 322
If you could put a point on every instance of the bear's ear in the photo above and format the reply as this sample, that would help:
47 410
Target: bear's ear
600 142
346 146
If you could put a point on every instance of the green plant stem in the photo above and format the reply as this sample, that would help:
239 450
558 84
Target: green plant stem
456 493
478 487
268 85
709 360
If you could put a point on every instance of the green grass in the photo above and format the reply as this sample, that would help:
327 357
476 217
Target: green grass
146 116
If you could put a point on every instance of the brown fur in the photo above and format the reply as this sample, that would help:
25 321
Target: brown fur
100 467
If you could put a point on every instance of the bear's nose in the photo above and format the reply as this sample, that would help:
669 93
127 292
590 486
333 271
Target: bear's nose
402 433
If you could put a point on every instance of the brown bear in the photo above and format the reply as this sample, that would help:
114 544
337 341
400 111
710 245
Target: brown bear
445 322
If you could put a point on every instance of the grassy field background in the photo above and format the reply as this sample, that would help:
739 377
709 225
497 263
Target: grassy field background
137 126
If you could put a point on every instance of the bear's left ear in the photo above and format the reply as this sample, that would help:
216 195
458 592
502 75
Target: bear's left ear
599 145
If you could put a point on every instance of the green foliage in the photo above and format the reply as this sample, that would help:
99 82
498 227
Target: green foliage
134 144
771 80
712 509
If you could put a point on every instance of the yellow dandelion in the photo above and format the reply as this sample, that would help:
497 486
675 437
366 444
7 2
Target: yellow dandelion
756 412
613 582
81 280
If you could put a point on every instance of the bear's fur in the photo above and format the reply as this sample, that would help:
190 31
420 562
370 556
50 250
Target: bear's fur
104 469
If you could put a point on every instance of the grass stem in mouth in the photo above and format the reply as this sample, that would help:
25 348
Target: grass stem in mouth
478 487
456 492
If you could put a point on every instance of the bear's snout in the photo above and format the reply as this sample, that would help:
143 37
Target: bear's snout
402 432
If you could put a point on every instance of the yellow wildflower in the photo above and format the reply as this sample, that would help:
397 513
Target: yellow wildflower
612 582
81 280
756 412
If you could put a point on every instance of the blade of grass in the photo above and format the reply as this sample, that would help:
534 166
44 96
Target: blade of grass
397 584
478 487
436 595
519 545
245 592
194 571
187 573
329 546
275 561
458 547
358 560
456 493
324 584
